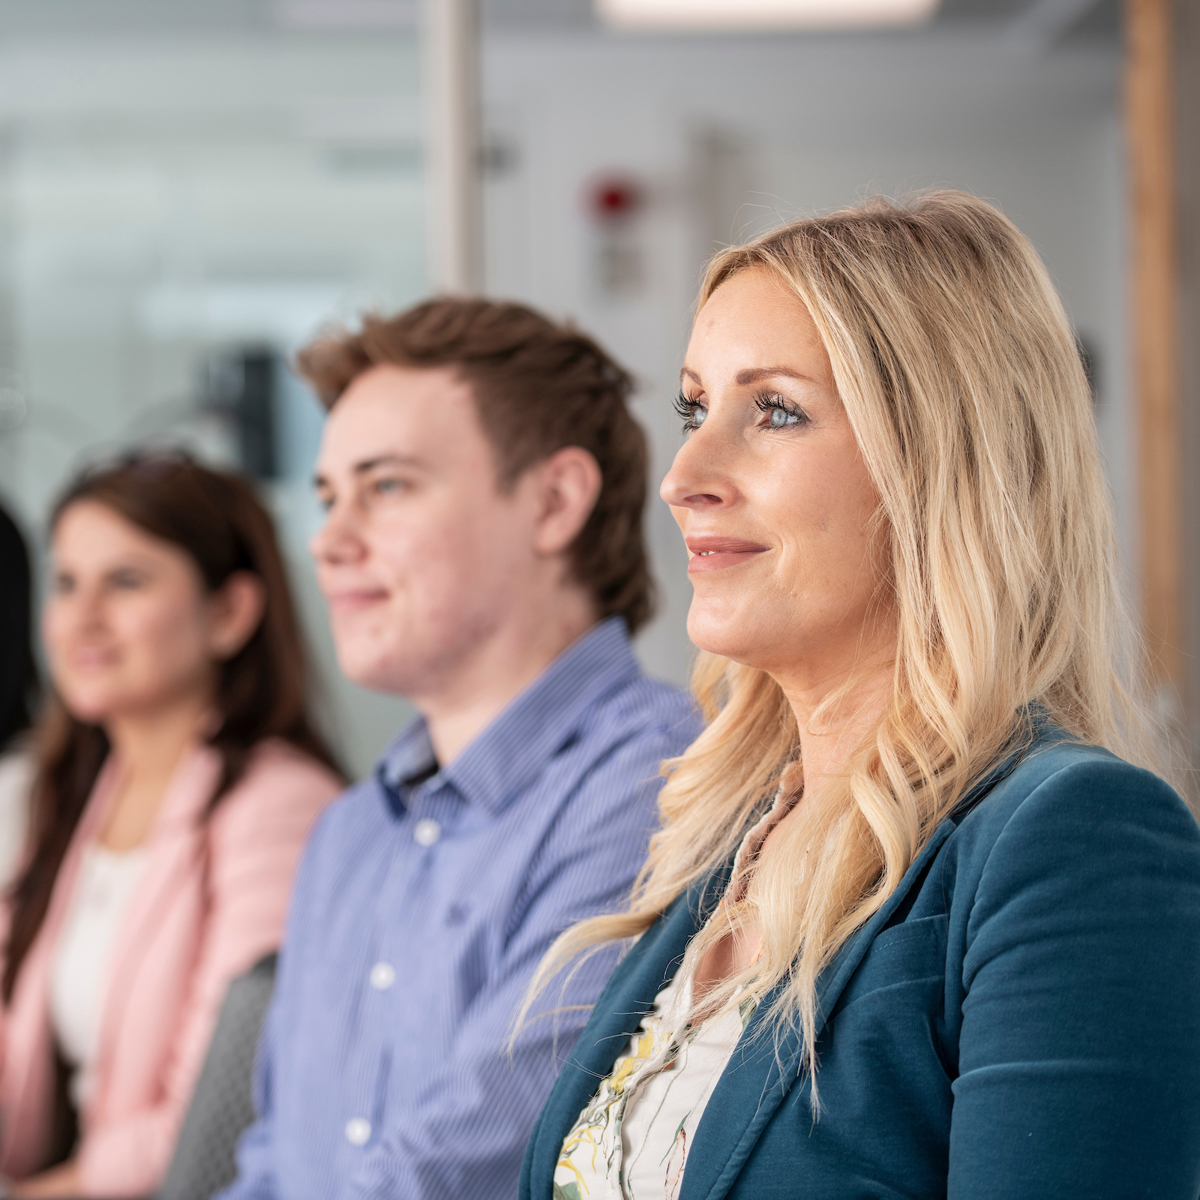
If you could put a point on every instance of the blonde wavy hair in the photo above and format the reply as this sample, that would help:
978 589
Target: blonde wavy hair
961 378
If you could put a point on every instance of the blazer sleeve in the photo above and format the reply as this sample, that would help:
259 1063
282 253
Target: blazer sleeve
1079 1053
255 842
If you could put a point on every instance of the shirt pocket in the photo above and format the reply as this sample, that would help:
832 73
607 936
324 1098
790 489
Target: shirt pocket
905 966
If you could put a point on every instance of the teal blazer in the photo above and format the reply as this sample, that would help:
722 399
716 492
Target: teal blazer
1020 1019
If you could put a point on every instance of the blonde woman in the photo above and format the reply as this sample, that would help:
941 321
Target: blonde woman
921 919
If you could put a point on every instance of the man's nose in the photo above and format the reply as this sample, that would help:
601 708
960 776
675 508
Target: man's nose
338 540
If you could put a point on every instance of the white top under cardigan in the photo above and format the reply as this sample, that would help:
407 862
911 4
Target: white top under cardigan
83 958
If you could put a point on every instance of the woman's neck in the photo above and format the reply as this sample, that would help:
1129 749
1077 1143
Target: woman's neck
147 748
831 732
826 746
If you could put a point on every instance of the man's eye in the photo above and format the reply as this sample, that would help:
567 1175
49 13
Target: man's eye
388 486
128 580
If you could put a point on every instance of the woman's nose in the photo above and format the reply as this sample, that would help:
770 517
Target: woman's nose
82 607
698 477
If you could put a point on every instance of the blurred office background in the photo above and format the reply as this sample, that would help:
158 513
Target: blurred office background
189 188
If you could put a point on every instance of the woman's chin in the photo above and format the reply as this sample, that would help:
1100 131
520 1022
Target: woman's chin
722 638
98 707
89 714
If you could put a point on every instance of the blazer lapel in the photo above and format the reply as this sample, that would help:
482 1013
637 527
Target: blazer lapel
641 975
763 1071
175 842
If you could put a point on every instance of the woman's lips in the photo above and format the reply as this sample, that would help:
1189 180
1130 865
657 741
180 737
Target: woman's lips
716 553
93 659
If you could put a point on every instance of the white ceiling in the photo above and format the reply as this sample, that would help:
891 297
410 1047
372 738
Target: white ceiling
98 18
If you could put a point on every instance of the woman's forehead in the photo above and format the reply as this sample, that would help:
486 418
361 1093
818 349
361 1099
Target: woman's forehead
754 326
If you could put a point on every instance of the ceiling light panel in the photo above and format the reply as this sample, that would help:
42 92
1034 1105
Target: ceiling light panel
764 14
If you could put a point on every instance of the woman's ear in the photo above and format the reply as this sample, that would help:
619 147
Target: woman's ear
237 611
569 482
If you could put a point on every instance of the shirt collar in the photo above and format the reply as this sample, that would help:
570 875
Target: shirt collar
509 753
408 759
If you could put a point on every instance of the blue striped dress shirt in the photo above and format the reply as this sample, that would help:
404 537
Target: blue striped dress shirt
425 900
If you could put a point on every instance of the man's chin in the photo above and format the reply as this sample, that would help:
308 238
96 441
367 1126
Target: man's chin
371 671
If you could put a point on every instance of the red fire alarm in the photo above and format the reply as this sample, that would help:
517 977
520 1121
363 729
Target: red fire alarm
614 197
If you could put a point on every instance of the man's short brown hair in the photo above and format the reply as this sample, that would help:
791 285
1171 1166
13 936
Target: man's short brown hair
538 386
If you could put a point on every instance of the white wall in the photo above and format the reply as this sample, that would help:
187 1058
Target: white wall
732 135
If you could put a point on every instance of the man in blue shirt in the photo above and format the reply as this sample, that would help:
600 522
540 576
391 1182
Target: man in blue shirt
482 555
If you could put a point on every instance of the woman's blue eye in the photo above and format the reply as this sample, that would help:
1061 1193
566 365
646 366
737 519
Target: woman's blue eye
690 412
780 413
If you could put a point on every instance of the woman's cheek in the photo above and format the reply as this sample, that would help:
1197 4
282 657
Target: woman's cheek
57 632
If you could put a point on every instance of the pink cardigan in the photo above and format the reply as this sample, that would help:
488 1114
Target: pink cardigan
210 903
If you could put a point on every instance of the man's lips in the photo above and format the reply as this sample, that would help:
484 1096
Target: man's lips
347 601
715 553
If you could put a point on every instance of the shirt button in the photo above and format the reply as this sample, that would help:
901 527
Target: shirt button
383 975
426 832
358 1131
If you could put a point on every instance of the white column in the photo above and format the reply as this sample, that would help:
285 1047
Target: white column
450 99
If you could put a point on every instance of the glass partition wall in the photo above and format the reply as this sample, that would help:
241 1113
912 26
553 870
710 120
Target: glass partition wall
181 206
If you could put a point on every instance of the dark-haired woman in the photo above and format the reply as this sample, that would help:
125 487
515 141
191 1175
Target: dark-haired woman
18 683
178 775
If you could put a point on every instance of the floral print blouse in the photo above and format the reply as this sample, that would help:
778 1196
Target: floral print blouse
631 1141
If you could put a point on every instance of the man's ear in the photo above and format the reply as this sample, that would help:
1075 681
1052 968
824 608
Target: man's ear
568 486
237 611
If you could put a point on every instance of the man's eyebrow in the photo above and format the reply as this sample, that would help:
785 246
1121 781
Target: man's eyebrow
367 465
758 374
387 460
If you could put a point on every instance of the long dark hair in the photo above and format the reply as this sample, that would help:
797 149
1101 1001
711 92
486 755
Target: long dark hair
18 672
261 692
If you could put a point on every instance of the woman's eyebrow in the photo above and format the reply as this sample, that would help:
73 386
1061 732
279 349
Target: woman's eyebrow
758 374
753 375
